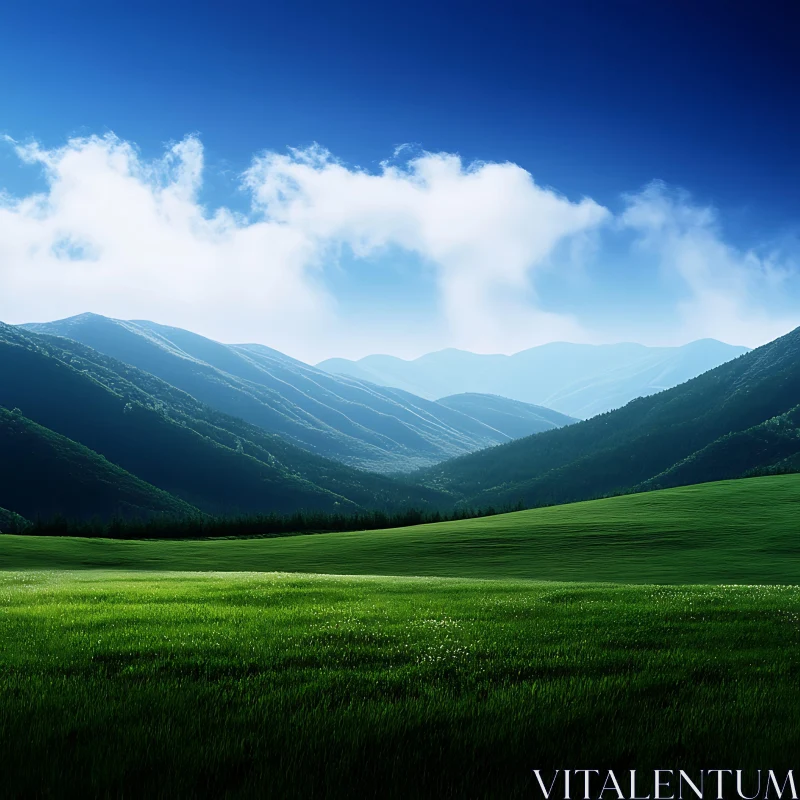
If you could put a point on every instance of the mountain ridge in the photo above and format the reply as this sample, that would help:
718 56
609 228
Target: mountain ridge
575 379
358 423
512 417
620 450
151 428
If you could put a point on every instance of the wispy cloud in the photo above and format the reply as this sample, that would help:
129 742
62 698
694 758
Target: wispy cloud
727 290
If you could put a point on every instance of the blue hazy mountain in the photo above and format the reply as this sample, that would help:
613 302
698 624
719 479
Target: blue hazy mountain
358 423
511 417
740 418
576 379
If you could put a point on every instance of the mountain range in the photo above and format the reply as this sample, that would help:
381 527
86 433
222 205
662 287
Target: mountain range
576 379
358 423
740 418
86 435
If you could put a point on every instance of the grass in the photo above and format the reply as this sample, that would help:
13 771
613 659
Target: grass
743 531
120 676
276 685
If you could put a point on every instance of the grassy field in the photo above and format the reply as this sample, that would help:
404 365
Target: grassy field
275 685
217 668
744 531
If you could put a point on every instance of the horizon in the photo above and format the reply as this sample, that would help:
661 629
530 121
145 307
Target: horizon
385 355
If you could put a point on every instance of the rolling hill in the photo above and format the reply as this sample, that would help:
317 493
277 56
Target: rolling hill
576 379
357 423
742 531
646 442
167 438
511 417
44 474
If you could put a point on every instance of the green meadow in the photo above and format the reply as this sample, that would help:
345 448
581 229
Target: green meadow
247 684
742 531
225 668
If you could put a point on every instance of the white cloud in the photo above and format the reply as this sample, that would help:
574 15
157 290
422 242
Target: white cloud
127 237
731 294
485 229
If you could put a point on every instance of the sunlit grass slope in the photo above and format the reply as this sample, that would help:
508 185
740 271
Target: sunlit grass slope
745 531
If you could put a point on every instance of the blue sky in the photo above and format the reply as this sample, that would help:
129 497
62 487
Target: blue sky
659 141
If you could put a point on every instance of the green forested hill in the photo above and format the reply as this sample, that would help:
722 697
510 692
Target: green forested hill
44 474
146 443
649 437
169 439
10 522
772 446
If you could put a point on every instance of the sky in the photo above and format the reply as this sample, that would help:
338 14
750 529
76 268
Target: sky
352 178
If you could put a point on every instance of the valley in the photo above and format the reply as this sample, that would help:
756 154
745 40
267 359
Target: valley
360 424
748 405
399 401
641 610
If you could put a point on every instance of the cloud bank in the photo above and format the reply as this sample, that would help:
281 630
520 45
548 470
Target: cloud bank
125 236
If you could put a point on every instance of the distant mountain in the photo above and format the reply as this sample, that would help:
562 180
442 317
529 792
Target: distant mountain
44 474
511 417
357 423
576 379
167 438
740 417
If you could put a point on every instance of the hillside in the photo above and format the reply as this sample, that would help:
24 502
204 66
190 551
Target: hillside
511 417
773 445
741 531
44 474
576 379
146 443
11 522
360 424
168 438
618 451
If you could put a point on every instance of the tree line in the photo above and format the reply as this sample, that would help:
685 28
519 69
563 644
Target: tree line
261 525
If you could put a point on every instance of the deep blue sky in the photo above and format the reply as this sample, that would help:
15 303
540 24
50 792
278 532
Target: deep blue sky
593 98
